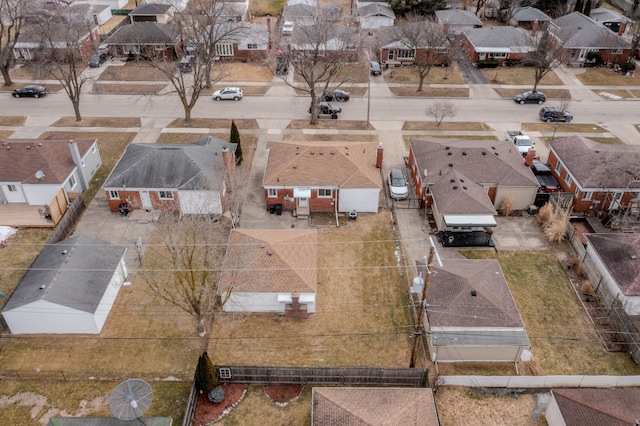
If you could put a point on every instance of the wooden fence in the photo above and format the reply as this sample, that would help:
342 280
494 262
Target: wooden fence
68 221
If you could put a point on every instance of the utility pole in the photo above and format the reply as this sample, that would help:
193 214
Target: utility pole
423 307
368 85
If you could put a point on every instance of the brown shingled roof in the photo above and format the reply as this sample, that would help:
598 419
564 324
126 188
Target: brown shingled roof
596 165
611 407
271 260
457 194
20 159
450 303
373 406
620 253
335 164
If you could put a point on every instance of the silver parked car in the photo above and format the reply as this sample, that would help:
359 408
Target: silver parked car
398 188
234 93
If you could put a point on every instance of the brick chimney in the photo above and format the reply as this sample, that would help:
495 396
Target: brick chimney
445 27
623 26
531 155
534 28
295 310
379 156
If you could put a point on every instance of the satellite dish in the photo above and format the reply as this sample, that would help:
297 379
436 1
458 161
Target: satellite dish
424 172
39 174
130 399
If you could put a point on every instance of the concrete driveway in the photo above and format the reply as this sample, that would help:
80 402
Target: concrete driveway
518 233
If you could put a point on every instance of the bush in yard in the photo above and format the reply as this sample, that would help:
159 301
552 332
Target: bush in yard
545 213
586 287
206 375
556 228
216 395
489 63
506 206
234 137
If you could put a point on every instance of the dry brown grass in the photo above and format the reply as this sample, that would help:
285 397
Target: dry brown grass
135 89
239 71
437 75
192 137
361 318
12 120
606 77
214 123
432 92
331 124
351 73
445 125
519 75
329 137
623 94
5 134
635 92
549 93
563 128
119 122
133 71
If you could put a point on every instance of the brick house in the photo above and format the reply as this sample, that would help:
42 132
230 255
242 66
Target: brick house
394 49
497 43
184 178
602 177
244 41
149 39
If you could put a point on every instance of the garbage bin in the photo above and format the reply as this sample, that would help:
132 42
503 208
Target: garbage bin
353 215
278 209
272 208
124 211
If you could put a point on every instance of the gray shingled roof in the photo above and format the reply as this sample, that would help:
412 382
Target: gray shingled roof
620 253
516 39
334 406
77 279
455 193
376 9
597 166
300 10
530 14
171 166
611 407
458 17
145 33
108 421
601 14
151 9
577 31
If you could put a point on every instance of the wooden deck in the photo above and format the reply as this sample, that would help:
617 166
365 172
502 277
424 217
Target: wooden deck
23 215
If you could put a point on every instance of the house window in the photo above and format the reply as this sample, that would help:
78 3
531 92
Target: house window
165 195
114 195
568 180
497 55
94 149
406 54
131 49
160 47
635 196
587 195
324 193
616 51
72 182
224 373
390 55
224 49
272 192
252 46
12 188
559 168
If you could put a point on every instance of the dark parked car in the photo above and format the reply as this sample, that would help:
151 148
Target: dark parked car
530 98
544 176
550 114
98 59
374 67
32 90
325 108
338 95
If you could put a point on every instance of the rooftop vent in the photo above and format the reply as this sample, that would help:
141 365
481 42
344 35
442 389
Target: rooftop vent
493 147
484 152
464 152
496 153
473 293
449 153
447 147
461 180
450 164
464 187
333 153
452 180
455 186
321 152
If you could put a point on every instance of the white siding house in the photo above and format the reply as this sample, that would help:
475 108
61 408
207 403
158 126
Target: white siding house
70 288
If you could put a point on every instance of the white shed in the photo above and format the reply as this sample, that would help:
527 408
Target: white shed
70 288
376 15
265 269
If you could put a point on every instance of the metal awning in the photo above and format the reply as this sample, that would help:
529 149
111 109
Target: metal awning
301 192
469 220
492 50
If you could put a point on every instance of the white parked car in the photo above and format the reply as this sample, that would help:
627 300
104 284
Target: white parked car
234 93
287 28
398 189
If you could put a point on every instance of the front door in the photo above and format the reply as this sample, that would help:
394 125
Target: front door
303 202
146 200
615 203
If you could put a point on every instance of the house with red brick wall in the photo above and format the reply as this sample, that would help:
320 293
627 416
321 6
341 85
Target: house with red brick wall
243 41
183 178
304 177
602 177
497 43
398 49
148 39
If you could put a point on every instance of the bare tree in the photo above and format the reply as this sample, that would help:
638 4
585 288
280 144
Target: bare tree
319 57
441 110
63 37
12 14
548 55
428 42
183 266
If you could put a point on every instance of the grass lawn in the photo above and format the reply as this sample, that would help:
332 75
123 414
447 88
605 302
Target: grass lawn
119 122
15 120
266 7
5 133
605 141
519 75
563 128
132 71
255 401
437 75
123 88
239 71
606 77
549 93
362 317
431 92
331 124
445 125
245 139
563 340
330 137
214 123
623 94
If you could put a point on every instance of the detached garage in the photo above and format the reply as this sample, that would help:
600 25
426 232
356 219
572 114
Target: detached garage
70 288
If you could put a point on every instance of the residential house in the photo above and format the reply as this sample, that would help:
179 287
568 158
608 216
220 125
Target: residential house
329 39
376 15
591 406
243 41
45 173
396 49
615 258
471 314
271 270
184 178
602 177
152 12
148 39
529 18
578 35
497 43
112 4
70 288
301 13
464 181
611 19
456 21
99 13
232 10
373 406
179 5
305 177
